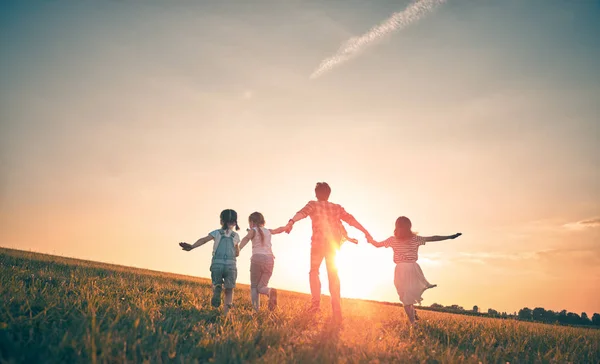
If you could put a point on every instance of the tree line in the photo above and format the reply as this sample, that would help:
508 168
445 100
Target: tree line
537 314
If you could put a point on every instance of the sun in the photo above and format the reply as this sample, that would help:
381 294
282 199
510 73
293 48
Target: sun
356 282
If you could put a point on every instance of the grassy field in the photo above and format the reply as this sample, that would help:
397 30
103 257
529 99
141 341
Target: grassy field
55 309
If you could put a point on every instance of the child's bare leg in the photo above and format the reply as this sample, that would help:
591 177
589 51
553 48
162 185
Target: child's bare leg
228 299
216 298
410 312
255 298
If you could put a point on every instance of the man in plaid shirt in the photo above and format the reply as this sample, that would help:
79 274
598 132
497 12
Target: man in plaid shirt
328 234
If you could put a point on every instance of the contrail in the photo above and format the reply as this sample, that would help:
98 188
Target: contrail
353 46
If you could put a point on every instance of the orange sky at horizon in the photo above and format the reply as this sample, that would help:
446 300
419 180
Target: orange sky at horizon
127 128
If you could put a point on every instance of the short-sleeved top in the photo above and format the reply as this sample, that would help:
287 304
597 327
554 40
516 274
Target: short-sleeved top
405 250
217 236
258 245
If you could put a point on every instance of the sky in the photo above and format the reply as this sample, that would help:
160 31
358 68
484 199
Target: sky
127 126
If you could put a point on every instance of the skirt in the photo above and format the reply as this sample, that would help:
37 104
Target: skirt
410 283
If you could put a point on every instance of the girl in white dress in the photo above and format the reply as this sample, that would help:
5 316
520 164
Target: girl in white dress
408 278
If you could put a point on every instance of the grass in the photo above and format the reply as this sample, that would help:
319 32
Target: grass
56 309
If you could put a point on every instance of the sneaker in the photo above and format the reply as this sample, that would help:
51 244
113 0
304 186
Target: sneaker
272 299
216 300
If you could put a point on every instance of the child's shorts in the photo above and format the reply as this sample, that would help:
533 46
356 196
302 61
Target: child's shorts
223 274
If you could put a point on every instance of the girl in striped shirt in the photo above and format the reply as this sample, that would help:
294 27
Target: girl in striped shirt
408 278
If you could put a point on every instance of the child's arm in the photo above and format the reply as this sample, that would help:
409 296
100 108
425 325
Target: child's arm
376 244
441 237
187 247
247 238
279 230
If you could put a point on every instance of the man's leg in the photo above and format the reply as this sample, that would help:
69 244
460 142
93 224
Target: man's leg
316 258
334 283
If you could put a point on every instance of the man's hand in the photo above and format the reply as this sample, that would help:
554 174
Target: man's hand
289 227
185 246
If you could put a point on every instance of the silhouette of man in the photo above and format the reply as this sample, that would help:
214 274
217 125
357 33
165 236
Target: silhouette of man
327 235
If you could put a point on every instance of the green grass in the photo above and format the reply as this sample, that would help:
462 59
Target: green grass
56 309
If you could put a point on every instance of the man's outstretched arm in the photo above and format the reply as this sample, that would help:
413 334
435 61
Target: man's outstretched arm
303 213
345 216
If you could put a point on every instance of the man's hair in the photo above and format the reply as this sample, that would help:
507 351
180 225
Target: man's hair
322 191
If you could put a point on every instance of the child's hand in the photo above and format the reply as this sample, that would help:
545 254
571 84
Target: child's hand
456 235
352 240
185 246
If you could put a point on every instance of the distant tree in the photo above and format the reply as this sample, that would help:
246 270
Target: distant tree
538 314
585 320
456 308
492 312
504 315
596 319
562 317
475 309
524 314
550 316
436 306
573 318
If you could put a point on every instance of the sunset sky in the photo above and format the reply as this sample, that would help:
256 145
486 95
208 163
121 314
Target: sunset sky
127 126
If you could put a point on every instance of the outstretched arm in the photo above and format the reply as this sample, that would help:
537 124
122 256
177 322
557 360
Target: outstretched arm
187 247
279 230
441 237
377 244
352 222
303 213
247 238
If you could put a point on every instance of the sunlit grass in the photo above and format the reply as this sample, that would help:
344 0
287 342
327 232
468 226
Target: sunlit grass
60 310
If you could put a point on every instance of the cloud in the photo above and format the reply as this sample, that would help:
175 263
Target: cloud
584 224
355 45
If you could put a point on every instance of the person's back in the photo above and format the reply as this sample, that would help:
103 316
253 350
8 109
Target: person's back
261 243
327 235
405 249
326 220
224 248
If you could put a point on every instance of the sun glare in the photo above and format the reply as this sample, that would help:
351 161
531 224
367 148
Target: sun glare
355 280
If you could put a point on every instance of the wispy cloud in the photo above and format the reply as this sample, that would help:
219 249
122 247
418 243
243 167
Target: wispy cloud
355 45
584 224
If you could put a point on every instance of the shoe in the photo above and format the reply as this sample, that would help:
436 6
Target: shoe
216 301
272 299
313 309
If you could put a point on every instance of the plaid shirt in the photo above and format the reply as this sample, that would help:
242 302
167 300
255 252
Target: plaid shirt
326 221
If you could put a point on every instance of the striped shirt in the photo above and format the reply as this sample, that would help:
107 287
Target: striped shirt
405 250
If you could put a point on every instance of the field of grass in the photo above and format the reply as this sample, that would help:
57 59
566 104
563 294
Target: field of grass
56 309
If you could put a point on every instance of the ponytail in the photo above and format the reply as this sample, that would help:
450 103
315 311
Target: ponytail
259 220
